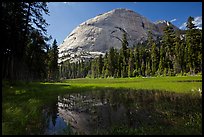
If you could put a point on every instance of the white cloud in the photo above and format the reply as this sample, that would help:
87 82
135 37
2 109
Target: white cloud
69 3
183 26
197 22
57 4
173 20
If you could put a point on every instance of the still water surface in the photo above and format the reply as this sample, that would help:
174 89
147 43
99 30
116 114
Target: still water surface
99 111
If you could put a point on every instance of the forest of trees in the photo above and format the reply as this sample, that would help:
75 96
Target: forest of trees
172 55
26 54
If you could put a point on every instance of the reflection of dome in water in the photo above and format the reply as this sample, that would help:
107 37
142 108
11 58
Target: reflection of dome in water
86 113
102 111
77 111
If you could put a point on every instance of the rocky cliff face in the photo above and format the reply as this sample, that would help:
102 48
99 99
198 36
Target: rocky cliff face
97 35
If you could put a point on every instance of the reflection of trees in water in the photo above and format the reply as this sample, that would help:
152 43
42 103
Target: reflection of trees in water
54 112
102 109
95 111
50 115
51 112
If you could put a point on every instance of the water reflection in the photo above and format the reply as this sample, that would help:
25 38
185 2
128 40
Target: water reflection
95 112
92 112
56 126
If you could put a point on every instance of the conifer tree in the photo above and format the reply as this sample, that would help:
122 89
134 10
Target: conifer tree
168 43
154 58
124 55
137 62
100 65
162 60
193 41
131 64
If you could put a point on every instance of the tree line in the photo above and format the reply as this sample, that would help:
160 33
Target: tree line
174 54
26 54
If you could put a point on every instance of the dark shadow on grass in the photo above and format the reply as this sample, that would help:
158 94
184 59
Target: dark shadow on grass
188 81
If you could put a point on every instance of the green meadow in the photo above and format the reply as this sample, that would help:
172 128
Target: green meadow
23 103
175 84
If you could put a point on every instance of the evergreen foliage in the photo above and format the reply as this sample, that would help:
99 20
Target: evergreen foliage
26 55
172 56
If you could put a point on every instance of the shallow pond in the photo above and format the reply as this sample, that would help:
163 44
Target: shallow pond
113 111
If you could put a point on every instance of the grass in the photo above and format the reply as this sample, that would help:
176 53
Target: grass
175 84
23 103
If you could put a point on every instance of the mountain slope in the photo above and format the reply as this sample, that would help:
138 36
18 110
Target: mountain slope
97 35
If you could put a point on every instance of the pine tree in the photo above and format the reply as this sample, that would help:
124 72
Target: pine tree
162 60
142 57
120 65
143 68
177 65
94 68
111 62
193 41
53 61
100 65
148 68
190 24
168 43
18 21
36 56
131 64
182 57
124 55
154 58
105 66
137 62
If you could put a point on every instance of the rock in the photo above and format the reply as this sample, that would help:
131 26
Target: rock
97 35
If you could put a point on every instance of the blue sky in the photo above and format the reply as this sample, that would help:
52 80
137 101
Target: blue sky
65 16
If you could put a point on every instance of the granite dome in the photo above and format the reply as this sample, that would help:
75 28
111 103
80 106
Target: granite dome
97 35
